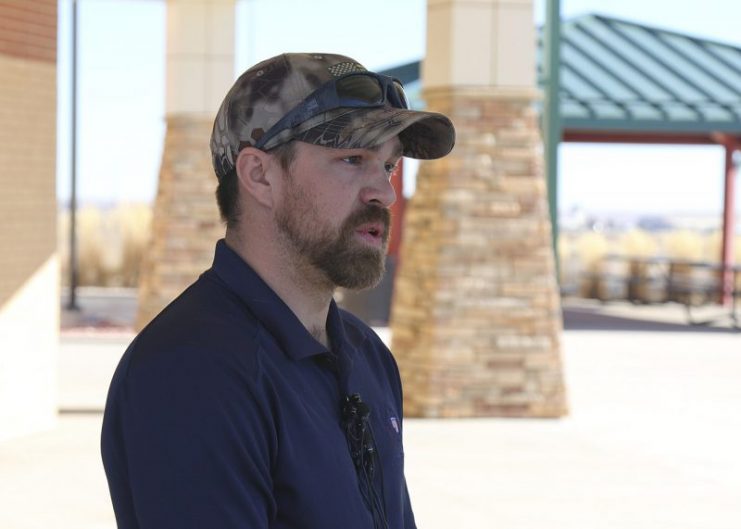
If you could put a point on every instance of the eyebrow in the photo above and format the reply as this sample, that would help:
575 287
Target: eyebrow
397 152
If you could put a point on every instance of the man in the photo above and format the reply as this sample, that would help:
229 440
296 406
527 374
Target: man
252 401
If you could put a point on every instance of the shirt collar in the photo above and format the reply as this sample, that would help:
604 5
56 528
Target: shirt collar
277 318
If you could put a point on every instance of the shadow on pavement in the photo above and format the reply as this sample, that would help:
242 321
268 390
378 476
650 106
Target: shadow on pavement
596 319
100 309
115 309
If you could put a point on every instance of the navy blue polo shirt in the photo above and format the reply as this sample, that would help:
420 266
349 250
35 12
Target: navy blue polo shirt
225 413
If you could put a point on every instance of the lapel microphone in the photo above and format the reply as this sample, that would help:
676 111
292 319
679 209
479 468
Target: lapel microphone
362 446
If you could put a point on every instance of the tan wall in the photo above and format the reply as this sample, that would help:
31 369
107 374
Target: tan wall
480 43
29 277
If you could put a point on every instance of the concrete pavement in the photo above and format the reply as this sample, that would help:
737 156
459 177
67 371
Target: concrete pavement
651 442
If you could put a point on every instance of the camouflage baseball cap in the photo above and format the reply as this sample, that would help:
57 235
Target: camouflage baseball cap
265 93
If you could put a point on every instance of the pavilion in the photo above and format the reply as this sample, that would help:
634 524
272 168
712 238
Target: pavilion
624 82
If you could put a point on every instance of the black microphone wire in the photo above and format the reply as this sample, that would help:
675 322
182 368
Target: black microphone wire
362 447
379 499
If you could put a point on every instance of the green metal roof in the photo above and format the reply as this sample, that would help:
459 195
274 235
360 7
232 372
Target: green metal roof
623 76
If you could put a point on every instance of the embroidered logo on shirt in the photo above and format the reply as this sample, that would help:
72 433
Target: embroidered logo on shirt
394 424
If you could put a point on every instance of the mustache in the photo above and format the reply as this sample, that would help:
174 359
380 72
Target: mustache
370 214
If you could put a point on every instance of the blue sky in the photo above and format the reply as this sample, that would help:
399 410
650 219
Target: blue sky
121 92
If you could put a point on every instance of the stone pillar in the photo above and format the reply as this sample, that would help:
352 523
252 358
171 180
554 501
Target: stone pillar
186 224
29 266
476 318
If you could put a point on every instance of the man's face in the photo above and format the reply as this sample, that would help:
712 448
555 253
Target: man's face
334 213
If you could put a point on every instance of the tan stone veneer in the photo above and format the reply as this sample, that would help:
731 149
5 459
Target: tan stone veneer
186 223
476 315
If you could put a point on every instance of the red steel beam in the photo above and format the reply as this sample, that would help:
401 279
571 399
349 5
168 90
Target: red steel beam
397 211
729 222
597 136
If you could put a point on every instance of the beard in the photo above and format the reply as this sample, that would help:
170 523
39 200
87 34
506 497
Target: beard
335 252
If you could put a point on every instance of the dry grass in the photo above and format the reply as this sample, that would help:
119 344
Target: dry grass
686 245
638 243
591 247
111 243
585 262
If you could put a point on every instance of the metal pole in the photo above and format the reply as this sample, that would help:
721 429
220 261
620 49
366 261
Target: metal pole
73 272
729 224
551 114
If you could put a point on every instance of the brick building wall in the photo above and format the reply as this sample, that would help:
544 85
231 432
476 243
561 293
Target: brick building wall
29 277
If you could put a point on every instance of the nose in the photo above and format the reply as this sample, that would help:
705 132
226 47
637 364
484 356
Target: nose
379 190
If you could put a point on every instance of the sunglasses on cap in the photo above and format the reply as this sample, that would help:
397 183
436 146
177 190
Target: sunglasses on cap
353 90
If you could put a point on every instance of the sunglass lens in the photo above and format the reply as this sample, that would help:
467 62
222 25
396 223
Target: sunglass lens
359 89
400 95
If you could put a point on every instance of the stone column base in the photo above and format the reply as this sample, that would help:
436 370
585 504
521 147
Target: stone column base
476 319
185 223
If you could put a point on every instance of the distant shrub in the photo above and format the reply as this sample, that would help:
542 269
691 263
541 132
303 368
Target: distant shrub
136 222
638 243
110 244
685 245
592 247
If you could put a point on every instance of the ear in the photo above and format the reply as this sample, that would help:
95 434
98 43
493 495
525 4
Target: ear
252 171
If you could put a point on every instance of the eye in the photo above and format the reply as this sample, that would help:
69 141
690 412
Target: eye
353 160
391 167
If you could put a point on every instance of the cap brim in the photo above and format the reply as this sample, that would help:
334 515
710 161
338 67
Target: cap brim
424 135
